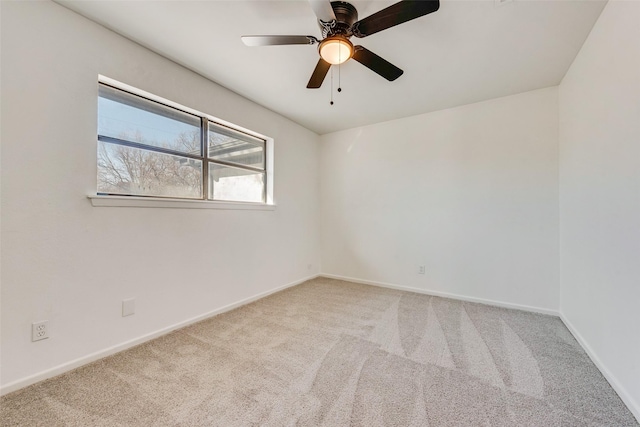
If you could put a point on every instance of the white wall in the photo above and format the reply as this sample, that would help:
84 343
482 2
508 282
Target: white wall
600 196
470 192
71 263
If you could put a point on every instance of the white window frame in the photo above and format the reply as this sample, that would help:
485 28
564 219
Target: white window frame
109 200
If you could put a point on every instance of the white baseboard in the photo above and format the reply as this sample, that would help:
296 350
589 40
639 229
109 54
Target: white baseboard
626 397
68 366
445 295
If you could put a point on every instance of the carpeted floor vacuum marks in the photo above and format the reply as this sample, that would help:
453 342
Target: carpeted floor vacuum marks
337 353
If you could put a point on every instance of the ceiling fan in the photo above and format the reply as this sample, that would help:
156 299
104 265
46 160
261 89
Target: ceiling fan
338 21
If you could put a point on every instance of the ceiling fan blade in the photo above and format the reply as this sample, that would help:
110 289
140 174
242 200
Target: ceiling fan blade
277 40
393 15
376 64
322 68
323 10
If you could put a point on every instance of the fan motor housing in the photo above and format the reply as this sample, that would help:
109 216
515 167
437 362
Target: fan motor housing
346 16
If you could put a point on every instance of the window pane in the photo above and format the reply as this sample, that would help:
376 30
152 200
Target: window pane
235 147
132 171
132 118
235 184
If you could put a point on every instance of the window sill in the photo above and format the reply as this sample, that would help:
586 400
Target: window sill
147 202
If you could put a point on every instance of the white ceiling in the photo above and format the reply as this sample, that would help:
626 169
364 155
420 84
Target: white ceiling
466 52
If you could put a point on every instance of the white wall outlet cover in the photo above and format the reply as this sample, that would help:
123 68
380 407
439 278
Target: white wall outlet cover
40 330
128 307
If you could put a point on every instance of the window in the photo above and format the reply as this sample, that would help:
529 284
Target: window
149 149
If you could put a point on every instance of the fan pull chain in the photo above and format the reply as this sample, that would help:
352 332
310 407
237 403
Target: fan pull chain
339 78
331 103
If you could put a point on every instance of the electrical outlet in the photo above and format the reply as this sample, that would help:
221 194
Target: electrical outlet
309 266
40 330
421 269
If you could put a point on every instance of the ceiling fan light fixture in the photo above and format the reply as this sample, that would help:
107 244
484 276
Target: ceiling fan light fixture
336 50
338 22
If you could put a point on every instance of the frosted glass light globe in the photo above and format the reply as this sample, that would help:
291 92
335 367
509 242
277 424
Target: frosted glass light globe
336 51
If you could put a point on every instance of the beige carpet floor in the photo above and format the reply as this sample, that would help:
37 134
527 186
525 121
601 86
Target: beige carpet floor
336 353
